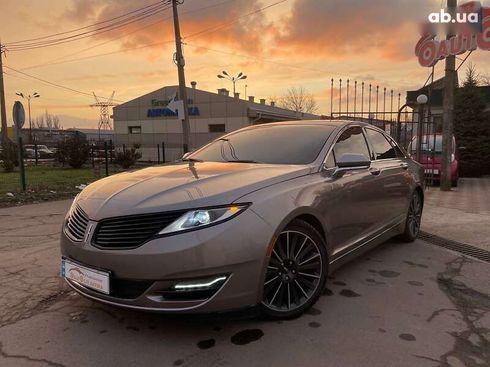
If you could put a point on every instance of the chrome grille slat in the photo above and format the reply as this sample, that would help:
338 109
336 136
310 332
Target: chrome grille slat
77 223
131 231
75 230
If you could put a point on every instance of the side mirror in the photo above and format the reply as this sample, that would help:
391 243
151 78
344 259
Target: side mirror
350 161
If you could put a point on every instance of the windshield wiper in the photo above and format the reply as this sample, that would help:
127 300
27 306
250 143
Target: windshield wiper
243 161
191 160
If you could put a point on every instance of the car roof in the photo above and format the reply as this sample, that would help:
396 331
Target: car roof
335 123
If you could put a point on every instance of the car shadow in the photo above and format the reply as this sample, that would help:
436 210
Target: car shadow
82 310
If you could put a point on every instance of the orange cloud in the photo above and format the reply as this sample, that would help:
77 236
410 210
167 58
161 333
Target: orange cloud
340 29
220 23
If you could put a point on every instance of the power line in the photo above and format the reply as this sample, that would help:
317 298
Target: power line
157 4
90 33
256 58
268 61
54 61
233 21
98 55
54 84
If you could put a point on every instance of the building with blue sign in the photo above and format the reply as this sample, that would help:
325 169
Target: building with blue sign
151 120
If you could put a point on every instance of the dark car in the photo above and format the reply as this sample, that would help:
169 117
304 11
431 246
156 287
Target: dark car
43 152
258 217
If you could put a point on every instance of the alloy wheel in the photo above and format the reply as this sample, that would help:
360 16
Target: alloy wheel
414 215
294 272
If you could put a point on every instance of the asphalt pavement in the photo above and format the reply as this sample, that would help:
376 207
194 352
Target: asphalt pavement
399 305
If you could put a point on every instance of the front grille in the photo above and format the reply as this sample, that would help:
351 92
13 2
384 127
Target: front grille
131 231
76 224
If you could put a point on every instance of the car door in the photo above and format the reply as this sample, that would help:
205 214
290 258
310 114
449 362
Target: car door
392 177
350 206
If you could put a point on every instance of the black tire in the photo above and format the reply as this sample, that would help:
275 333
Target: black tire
414 218
296 272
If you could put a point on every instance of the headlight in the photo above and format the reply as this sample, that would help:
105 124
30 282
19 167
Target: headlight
195 219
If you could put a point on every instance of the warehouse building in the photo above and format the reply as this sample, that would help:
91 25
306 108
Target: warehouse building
149 122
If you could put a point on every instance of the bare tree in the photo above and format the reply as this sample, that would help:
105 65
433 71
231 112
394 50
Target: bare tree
56 123
47 121
39 122
299 99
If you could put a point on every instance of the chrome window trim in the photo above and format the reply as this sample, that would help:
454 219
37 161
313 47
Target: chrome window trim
322 166
387 137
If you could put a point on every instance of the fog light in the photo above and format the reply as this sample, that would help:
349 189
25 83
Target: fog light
200 284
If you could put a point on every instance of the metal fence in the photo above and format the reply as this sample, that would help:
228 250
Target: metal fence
384 108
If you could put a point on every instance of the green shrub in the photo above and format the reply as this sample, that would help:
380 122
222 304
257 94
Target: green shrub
472 128
127 157
73 151
9 157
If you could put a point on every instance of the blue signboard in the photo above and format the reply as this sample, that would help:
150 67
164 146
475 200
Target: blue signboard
166 112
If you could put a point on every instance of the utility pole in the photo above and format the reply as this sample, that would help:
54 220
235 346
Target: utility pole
180 62
448 108
4 137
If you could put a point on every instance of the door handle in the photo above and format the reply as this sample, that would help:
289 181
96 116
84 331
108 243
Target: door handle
374 171
404 165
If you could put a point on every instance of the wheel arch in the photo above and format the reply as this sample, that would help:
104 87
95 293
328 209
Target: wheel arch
420 191
311 217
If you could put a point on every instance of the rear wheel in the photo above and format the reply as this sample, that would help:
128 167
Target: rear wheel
414 218
296 272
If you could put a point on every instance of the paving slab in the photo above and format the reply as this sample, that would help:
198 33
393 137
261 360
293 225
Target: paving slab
462 214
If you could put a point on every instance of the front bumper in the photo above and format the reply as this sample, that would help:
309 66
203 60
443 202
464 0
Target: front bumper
141 277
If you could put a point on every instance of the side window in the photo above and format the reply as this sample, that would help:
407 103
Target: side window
382 148
351 141
398 151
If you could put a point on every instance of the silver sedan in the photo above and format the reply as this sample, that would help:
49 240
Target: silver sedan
259 217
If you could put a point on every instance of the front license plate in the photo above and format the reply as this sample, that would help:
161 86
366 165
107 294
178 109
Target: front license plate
430 171
90 278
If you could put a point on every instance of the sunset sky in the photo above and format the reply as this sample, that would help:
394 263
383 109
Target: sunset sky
291 43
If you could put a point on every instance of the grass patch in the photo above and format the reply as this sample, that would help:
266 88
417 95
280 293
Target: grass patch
44 183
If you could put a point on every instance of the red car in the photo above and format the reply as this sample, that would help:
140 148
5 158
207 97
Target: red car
431 153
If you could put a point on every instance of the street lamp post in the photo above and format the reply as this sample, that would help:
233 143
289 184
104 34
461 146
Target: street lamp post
421 100
28 97
233 79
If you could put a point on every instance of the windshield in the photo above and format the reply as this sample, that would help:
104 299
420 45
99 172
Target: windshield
279 144
428 144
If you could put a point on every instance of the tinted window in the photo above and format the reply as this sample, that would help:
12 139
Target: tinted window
382 148
216 128
351 141
134 129
398 151
276 144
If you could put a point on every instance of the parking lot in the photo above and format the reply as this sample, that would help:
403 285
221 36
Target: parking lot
399 305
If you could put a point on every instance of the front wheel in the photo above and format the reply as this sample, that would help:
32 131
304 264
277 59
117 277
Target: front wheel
296 272
414 218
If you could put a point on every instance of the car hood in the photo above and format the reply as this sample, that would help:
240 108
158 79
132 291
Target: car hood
180 186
